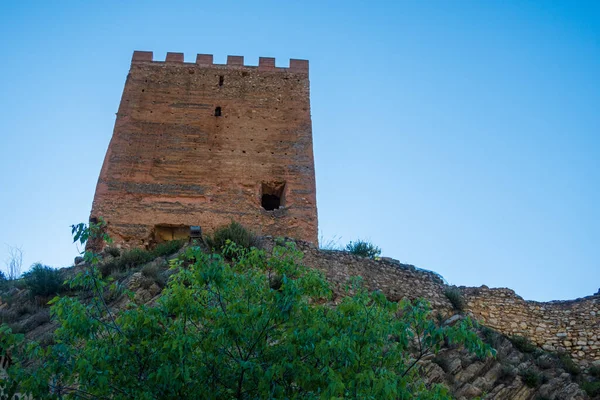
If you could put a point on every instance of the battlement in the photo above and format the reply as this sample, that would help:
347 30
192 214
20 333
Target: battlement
206 60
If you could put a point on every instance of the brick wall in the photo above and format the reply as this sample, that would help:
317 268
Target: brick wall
172 163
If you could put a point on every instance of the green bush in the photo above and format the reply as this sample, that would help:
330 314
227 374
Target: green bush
363 248
456 298
591 388
168 248
129 259
236 233
522 344
134 258
43 281
568 364
507 373
594 371
531 378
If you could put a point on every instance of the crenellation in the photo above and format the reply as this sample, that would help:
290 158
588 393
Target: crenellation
174 57
266 63
234 62
204 59
142 56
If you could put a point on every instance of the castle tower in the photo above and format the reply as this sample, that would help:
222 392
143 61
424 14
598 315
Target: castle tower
202 144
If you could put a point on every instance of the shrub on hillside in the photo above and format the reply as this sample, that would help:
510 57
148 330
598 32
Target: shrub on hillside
522 344
113 251
3 280
167 248
134 258
363 248
591 388
43 281
567 363
235 233
456 298
531 378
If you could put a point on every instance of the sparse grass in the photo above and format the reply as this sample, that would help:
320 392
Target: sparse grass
522 344
43 281
331 244
168 248
456 298
363 248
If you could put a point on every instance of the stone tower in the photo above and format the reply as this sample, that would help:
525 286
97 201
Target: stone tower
202 144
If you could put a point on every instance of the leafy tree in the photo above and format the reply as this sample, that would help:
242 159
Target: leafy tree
260 326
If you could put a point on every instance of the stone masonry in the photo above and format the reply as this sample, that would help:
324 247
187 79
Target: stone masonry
202 144
572 326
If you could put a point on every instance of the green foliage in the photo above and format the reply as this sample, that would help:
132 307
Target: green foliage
363 248
522 344
531 377
591 388
2 278
168 248
134 258
594 371
259 326
129 259
508 373
234 233
43 281
456 298
567 363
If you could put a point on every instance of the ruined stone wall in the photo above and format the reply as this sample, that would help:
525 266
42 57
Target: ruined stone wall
201 143
573 326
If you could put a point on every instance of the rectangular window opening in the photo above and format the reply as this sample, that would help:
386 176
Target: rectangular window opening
272 195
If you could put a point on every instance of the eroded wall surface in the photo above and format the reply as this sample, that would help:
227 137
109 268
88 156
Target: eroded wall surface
199 143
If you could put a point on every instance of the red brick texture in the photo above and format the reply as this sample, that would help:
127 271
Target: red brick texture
172 163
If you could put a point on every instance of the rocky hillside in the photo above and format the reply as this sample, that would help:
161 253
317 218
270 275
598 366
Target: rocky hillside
519 371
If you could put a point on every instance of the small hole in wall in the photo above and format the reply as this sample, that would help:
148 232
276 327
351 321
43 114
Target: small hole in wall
221 79
143 90
218 112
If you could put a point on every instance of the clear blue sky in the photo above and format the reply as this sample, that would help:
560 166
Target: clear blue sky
460 136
